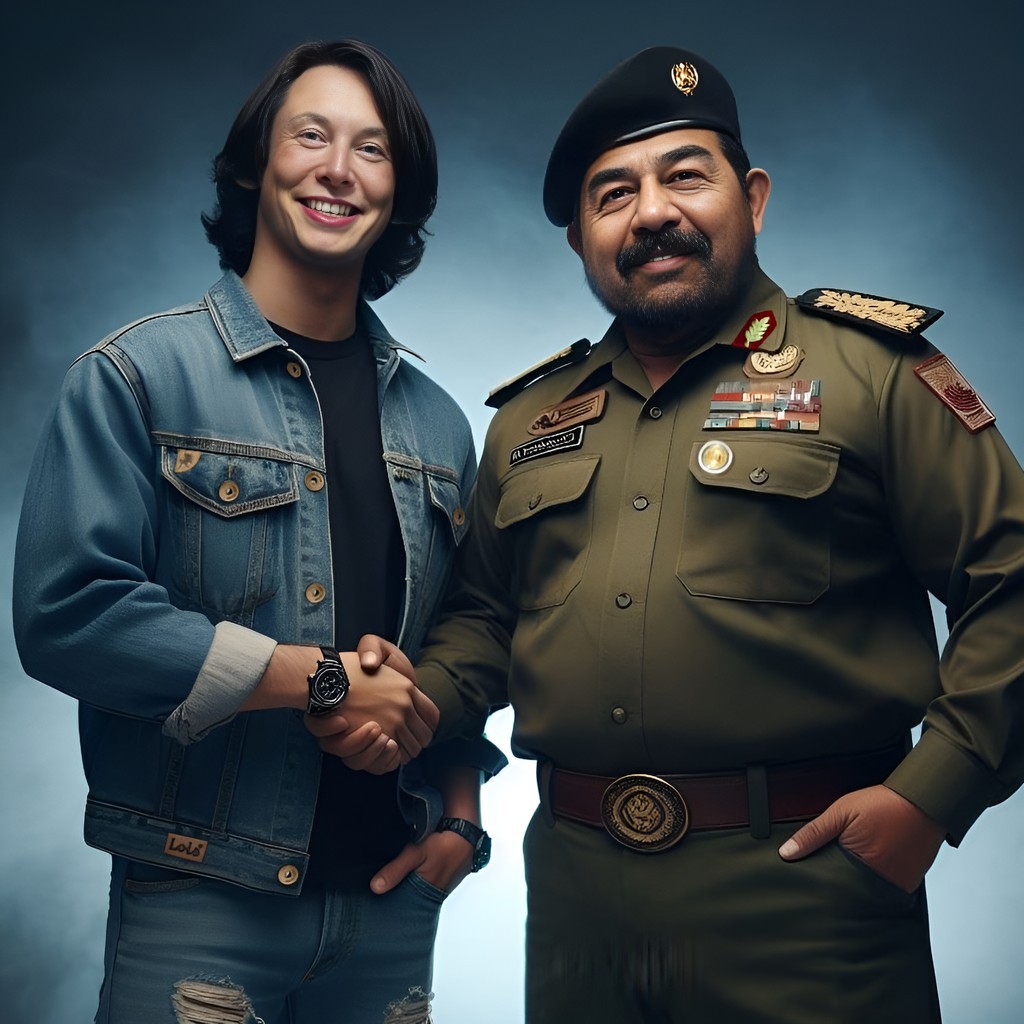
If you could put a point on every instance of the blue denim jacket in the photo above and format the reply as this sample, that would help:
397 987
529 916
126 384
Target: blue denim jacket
175 529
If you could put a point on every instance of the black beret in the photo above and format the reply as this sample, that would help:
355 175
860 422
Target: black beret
656 90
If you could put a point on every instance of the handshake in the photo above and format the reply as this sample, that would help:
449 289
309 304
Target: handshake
385 720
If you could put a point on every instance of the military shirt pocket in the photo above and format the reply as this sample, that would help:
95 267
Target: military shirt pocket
757 519
546 511
226 527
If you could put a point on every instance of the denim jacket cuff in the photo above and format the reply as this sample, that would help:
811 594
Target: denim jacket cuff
234 665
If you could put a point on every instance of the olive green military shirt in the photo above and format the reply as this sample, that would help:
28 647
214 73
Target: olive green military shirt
735 568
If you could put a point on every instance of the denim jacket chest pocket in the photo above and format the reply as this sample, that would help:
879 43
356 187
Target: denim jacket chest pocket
431 509
227 523
757 519
546 510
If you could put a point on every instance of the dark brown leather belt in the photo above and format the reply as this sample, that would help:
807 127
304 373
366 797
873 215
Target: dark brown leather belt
667 806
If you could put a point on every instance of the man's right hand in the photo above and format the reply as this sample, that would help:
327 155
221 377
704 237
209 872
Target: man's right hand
383 705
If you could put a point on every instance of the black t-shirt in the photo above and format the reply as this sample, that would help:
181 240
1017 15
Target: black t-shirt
357 827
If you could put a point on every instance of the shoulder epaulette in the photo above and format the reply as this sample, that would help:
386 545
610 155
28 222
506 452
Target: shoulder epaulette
869 310
511 387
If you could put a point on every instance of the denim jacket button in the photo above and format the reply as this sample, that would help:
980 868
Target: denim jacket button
228 491
315 593
458 517
294 369
288 875
314 480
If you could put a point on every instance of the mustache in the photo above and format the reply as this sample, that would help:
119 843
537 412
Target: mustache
670 241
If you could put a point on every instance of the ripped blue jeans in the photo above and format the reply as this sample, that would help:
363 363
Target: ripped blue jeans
176 941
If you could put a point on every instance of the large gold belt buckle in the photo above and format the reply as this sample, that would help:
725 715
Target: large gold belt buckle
645 813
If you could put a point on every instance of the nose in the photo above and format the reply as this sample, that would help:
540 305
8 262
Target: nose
336 168
654 208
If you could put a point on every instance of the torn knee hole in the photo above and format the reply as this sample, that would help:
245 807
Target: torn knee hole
208 1001
412 1009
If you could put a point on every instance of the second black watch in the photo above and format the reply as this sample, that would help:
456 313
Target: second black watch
328 685
473 834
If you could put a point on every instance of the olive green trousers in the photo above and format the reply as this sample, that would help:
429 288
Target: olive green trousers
717 930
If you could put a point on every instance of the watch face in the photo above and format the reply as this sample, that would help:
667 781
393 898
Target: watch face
483 852
328 685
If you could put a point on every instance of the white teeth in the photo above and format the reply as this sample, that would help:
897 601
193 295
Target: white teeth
334 209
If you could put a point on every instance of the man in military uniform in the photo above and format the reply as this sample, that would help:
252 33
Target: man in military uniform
699 567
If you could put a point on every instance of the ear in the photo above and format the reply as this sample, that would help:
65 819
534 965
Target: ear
572 236
759 188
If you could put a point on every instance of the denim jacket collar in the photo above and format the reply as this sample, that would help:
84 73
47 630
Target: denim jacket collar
246 332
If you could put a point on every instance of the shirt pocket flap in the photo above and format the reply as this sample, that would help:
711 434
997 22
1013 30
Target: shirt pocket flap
229 484
793 467
528 492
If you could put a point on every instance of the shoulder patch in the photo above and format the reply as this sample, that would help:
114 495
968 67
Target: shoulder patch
874 310
953 389
510 388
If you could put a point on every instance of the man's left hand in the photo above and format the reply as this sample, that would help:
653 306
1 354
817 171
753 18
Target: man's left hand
885 830
443 859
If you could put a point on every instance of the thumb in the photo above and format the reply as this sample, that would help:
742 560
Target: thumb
814 835
395 870
371 652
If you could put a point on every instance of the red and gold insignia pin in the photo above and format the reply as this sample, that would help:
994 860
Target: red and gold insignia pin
578 409
756 330
952 387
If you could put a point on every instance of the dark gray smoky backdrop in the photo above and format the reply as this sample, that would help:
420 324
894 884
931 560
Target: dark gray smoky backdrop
892 132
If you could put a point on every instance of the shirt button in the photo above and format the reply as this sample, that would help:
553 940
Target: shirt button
294 369
314 480
315 593
654 412
228 490
619 715
623 600
759 475
288 875
640 503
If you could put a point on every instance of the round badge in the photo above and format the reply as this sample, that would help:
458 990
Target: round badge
714 457
644 813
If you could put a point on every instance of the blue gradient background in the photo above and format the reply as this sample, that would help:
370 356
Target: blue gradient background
891 131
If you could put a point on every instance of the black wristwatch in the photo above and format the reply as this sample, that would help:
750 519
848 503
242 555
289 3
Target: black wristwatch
473 834
328 685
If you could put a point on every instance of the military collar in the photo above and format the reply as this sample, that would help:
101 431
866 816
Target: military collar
246 333
758 323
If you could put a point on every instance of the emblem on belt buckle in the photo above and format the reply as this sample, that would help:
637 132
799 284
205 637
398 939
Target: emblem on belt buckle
644 813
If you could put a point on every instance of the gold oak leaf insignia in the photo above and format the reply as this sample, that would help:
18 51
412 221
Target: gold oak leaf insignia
896 315
756 331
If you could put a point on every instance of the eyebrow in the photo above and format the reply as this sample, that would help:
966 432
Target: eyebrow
610 174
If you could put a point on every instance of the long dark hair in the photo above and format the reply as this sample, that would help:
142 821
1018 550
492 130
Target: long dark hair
231 227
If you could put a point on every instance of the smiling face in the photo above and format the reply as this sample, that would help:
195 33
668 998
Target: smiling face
666 232
328 188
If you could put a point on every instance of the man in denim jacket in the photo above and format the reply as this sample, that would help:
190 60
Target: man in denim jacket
204 525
